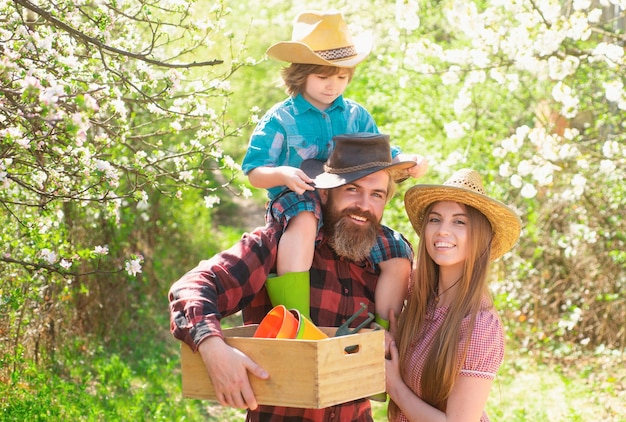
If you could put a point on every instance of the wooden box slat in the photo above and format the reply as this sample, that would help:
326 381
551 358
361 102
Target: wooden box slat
303 373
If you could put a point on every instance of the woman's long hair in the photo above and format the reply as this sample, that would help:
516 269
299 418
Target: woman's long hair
442 366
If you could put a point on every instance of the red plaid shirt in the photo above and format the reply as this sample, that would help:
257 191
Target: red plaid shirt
234 280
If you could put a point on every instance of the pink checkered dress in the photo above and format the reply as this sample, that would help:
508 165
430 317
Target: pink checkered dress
484 356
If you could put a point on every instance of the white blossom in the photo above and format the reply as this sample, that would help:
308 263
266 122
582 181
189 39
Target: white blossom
525 167
185 176
101 250
610 149
109 171
544 174
581 4
614 90
133 266
211 200
528 191
48 256
579 27
143 202
607 167
579 182
407 14
565 95
246 192
504 170
455 130
560 69
451 77
594 15
612 54
462 101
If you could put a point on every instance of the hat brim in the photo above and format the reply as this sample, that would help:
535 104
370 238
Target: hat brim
322 180
297 52
505 224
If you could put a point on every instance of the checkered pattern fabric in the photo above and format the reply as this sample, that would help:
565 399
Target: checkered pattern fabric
484 356
235 280
293 131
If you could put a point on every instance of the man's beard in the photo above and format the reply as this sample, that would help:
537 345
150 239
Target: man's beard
350 240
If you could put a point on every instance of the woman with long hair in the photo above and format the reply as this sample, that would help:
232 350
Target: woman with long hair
449 340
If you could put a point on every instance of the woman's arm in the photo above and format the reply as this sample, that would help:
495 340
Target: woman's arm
465 404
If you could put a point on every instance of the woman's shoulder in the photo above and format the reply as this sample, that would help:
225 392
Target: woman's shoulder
486 349
488 319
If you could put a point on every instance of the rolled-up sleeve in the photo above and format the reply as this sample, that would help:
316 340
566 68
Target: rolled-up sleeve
221 286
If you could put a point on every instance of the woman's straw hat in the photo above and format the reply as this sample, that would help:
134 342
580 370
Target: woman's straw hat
466 187
323 39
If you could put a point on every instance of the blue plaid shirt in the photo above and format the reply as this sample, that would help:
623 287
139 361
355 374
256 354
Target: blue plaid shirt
294 130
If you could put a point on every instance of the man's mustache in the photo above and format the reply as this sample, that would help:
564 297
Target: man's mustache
349 212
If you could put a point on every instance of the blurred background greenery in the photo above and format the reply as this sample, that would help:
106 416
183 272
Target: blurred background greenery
527 94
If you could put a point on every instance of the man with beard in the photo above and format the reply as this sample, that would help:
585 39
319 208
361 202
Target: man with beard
354 185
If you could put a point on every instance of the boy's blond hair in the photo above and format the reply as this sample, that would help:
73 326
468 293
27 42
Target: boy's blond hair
294 76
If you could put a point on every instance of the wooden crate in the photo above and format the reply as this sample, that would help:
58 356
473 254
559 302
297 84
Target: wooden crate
303 373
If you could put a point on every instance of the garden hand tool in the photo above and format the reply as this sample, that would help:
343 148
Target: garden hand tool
344 329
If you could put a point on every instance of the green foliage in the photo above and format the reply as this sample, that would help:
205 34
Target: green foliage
122 123
129 380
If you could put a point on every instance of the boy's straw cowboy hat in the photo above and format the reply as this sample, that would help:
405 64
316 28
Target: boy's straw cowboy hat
356 155
323 39
466 187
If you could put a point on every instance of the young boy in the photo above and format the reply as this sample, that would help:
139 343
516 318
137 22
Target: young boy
323 55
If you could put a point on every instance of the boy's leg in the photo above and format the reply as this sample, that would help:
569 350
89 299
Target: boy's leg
297 244
301 217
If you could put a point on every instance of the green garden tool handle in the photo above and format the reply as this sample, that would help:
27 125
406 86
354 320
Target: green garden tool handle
344 329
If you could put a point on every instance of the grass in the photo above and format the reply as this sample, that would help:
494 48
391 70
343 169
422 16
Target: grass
138 378
589 389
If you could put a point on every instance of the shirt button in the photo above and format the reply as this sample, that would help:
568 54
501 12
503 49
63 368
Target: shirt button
345 291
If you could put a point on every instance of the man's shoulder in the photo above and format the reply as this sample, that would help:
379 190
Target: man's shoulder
269 233
392 233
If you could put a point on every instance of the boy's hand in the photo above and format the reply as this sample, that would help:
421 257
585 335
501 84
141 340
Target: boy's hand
295 179
418 170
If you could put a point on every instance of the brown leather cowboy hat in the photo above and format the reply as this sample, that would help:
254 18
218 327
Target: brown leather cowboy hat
324 39
356 155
